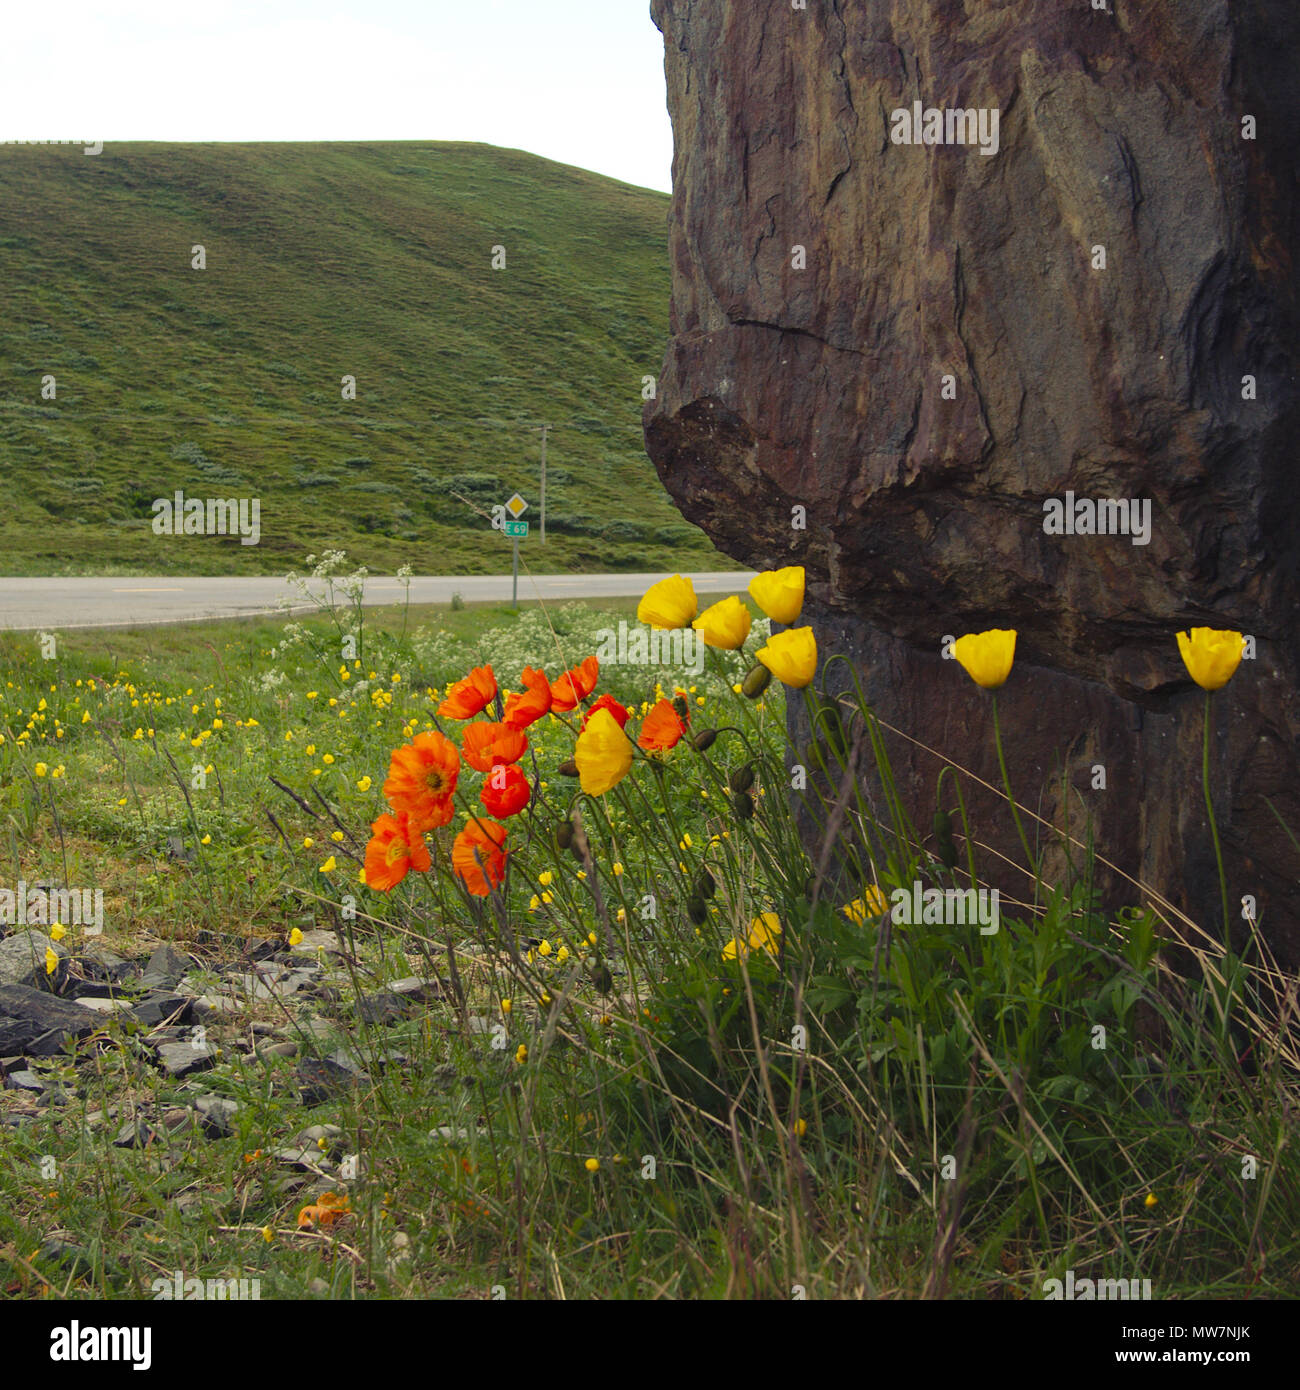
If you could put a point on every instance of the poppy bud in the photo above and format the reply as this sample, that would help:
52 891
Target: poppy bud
564 835
580 847
742 779
697 911
832 727
680 705
944 847
755 683
705 885
704 739
568 769
744 805
600 977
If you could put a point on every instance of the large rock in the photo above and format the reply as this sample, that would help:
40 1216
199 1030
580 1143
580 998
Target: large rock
953 357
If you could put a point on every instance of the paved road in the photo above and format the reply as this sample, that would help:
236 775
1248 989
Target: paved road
31 604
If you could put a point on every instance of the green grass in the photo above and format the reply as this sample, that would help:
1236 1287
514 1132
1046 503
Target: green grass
950 1123
371 260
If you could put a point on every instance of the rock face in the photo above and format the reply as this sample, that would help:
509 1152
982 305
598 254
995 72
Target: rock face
915 347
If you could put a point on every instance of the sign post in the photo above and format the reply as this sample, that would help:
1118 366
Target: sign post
514 529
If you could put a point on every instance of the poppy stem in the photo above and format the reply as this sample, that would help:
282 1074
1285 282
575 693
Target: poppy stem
1214 829
1006 782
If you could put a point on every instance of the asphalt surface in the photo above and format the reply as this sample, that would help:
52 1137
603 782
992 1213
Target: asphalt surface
28 605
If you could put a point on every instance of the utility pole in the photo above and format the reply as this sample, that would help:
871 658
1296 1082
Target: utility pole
543 429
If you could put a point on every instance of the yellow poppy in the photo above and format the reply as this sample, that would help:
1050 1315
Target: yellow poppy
603 754
725 624
987 656
1211 655
779 593
670 603
791 656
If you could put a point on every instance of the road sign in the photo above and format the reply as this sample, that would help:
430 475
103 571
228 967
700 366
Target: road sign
516 528
516 507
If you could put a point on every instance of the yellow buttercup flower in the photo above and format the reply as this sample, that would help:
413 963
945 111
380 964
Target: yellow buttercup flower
725 624
329 865
987 656
295 937
872 904
670 603
592 1165
58 931
764 935
1211 655
603 754
521 1053
1151 1198
779 593
791 656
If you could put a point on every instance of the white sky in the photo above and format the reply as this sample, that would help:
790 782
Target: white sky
579 81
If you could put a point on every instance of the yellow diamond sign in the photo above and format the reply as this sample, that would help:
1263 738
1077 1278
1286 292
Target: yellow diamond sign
516 506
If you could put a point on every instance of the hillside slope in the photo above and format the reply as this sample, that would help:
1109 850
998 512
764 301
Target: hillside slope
373 260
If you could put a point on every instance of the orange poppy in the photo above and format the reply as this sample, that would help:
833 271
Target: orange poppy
661 728
478 856
620 712
394 850
470 696
421 779
523 709
506 791
575 685
485 745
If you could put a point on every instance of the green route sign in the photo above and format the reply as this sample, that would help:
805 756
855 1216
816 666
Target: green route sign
515 528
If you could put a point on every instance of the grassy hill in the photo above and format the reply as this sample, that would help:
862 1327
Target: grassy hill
325 260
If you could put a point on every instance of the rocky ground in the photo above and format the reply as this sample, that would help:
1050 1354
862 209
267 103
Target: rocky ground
146 1052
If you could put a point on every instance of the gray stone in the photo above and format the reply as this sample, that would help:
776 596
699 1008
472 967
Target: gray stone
38 1024
135 1134
266 982
22 959
313 941
102 964
183 1058
163 1006
384 1008
280 1049
214 1006
314 1133
165 967
218 1114
24 1081
321 1078
103 1006
305 1156
422 991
